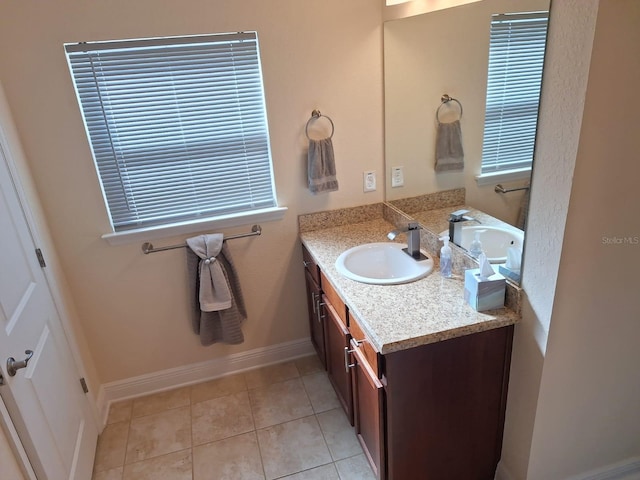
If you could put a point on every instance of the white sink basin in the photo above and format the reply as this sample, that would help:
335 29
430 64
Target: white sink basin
382 264
495 240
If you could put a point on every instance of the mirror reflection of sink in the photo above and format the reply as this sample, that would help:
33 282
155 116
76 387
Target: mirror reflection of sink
495 240
382 264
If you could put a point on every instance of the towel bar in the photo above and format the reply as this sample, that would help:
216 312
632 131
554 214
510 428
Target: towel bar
500 189
149 248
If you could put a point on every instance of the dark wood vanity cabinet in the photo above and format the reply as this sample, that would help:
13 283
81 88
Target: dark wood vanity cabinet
445 404
314 300
337 339
328 331
430 412
369 411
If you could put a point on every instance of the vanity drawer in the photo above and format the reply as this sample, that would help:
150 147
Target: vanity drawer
333 298
366 347
310 265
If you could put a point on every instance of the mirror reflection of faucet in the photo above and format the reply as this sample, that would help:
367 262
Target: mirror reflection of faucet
456 219
413 239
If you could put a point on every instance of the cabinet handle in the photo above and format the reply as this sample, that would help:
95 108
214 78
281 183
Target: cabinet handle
305 263
354 344
347 365
319 314
314 302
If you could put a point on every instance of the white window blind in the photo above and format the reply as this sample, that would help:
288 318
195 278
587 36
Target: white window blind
177 126
516 57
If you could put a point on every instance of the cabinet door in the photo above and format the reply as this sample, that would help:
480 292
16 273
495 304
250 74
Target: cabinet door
369 412
337 340
316 320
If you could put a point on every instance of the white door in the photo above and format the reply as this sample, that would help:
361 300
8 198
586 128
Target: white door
45 400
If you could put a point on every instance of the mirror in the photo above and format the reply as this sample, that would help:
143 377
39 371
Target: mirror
426 56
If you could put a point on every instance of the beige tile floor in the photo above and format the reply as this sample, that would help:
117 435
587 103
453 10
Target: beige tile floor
278 422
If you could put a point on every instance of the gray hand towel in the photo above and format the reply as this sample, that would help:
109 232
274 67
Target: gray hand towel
321 166
524 210
449 153
214 292
223 325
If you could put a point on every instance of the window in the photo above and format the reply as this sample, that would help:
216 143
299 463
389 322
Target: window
516 57
177 126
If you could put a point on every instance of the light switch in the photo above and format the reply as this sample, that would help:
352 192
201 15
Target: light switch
397 177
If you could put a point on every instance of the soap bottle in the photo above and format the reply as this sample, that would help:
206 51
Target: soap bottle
445 258
475 249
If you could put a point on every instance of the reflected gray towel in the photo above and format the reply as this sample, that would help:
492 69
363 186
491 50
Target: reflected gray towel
321 166
524 209
449 153
223 325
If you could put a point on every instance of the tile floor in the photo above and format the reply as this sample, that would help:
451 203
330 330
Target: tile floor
278 422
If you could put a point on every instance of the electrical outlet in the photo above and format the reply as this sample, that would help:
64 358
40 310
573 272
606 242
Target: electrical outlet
369 181
397 177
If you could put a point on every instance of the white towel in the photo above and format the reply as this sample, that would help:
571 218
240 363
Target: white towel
321 166
214 291
449 153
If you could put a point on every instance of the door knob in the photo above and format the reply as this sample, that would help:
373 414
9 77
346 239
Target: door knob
13 365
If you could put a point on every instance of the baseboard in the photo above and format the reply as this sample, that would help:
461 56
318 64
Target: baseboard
502 473
198 372
628 469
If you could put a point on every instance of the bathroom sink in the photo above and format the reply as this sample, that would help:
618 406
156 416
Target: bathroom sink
495 240
382 264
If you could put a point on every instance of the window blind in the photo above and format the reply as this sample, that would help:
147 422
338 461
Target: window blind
177 126
516 57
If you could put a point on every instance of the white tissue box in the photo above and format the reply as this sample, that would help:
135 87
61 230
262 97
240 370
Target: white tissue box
487 294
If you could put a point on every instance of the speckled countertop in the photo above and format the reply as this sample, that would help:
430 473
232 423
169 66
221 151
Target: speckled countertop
397 317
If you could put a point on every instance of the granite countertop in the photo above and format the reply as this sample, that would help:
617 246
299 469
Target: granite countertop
397 317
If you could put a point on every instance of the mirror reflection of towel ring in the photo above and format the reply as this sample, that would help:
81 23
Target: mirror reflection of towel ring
314 116
446 99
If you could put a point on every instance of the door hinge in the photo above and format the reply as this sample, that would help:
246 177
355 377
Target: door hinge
85 389
40 258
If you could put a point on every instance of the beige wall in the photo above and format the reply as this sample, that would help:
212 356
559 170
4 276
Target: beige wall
574 391
133 308
445 51
588 412
566 70
417 7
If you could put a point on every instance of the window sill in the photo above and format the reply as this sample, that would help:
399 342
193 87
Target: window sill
507 176
212 223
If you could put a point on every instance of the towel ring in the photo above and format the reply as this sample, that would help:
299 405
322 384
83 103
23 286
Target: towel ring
446 99
314 116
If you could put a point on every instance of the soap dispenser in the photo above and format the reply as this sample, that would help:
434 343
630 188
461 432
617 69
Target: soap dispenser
445 258
475 249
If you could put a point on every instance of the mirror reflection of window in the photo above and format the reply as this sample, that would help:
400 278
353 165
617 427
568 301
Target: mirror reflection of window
516 57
